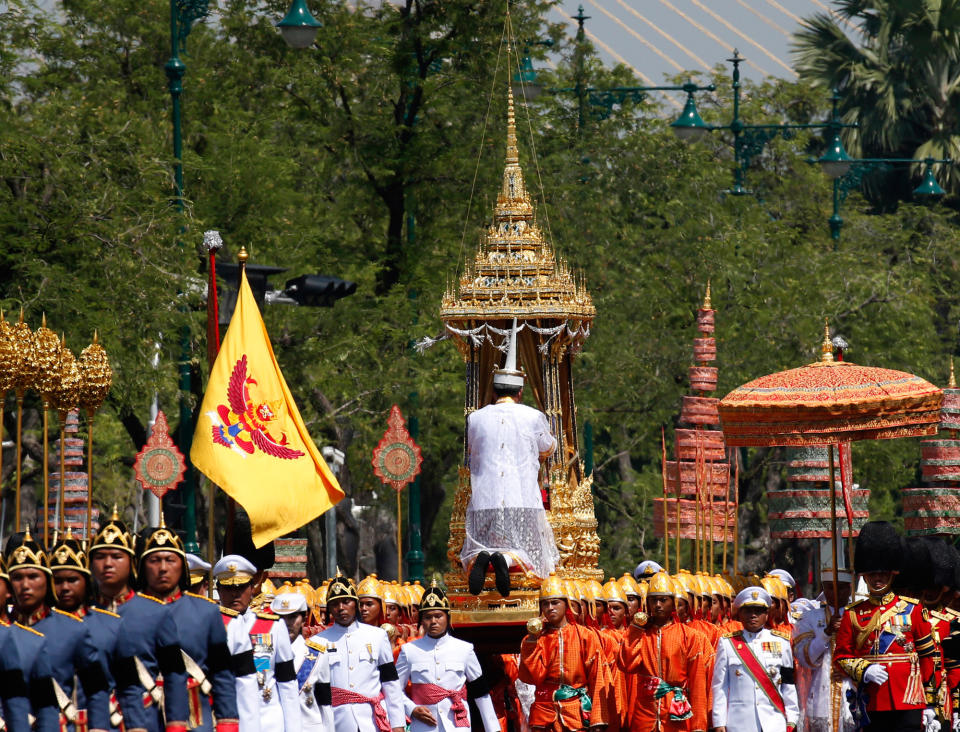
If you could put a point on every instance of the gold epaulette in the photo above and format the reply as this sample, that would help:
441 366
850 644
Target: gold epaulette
318 645
267 616
228 611
733 634
199 597
796 614
104 612
67 615
911 600
781 634
150 597
24 627
854 604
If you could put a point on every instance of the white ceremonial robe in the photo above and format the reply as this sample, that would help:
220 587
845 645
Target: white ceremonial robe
449 663
821 699
315 718
279 700
359 652
505 513
739 703
248 691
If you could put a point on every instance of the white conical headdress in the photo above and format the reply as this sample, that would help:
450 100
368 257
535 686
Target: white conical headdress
510 376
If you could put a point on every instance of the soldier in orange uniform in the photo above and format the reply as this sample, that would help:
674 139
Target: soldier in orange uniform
884 643
612 634
564 661
669 660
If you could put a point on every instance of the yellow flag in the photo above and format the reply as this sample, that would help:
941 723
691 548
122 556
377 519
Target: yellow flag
250 439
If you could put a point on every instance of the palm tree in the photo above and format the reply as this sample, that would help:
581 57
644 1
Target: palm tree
896 64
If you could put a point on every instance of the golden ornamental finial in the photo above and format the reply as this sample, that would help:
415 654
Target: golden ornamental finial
952 382
115 516
242 256
163 524
43 321
513 156
826 347
96 336
26 534
707 305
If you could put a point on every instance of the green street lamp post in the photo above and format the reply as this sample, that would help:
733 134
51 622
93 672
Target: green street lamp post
850 173
748 140
298 26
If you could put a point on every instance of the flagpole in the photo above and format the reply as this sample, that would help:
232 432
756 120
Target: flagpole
213 243
666 519
231 504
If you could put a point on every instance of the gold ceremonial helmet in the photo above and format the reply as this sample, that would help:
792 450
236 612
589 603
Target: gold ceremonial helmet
404 595
27 554
663 584
705 584
680 592
434 599
370 587
594 591
774 585
113 535
341 588
320 597
552 588
613 592
68 554
416 592
727 588
629 585
391 592
303 588
687 581
570 587
266 587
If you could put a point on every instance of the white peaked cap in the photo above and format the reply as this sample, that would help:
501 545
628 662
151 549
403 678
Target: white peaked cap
784 576
510 375
752 596
196 564
843 575
646 567
234 570
289 603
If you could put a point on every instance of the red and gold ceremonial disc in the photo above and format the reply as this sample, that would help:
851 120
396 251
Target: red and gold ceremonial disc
396 459
159 466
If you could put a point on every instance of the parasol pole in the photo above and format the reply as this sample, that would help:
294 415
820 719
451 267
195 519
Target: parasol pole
679 481
833 523
666 519
712 518
726 518
736 512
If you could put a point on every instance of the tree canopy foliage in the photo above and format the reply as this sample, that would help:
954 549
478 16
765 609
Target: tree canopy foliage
359 158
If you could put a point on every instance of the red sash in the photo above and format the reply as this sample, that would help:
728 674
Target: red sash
757 671
432 694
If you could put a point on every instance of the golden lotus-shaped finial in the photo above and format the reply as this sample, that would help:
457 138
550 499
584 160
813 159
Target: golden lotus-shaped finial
66 392
8 357
534 626
22 338
96 376
44 361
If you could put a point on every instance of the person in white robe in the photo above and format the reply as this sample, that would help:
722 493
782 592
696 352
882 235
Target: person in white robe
310 661
506 525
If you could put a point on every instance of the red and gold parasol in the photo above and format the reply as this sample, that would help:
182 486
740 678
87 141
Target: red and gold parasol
831 402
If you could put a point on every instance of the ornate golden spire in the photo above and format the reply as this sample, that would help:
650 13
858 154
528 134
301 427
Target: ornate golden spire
952 383
513 156
826 348
707 305
115 516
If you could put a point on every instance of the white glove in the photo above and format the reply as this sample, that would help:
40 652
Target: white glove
956 721
930 723
875 674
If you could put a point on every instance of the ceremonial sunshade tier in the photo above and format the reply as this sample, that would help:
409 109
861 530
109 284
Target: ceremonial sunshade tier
829 402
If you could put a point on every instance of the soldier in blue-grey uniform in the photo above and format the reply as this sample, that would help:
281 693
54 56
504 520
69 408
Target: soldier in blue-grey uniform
237 579
753 674
24 654
68 643
73 587
147 644
164 575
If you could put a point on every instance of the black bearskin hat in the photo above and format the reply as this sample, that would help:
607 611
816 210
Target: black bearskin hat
916 558
262 558
878 549
942 560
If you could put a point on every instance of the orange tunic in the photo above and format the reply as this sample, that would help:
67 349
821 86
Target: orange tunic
673 654
619 706
572 656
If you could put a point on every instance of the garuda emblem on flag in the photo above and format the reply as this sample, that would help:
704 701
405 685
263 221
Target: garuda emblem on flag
245 424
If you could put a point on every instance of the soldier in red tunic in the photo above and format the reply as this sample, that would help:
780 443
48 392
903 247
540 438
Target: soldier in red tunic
884 643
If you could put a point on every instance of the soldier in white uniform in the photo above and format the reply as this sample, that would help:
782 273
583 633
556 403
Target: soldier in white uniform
443 672
363 689
506 524
823 697
272 655
241 661
753 685
309 660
